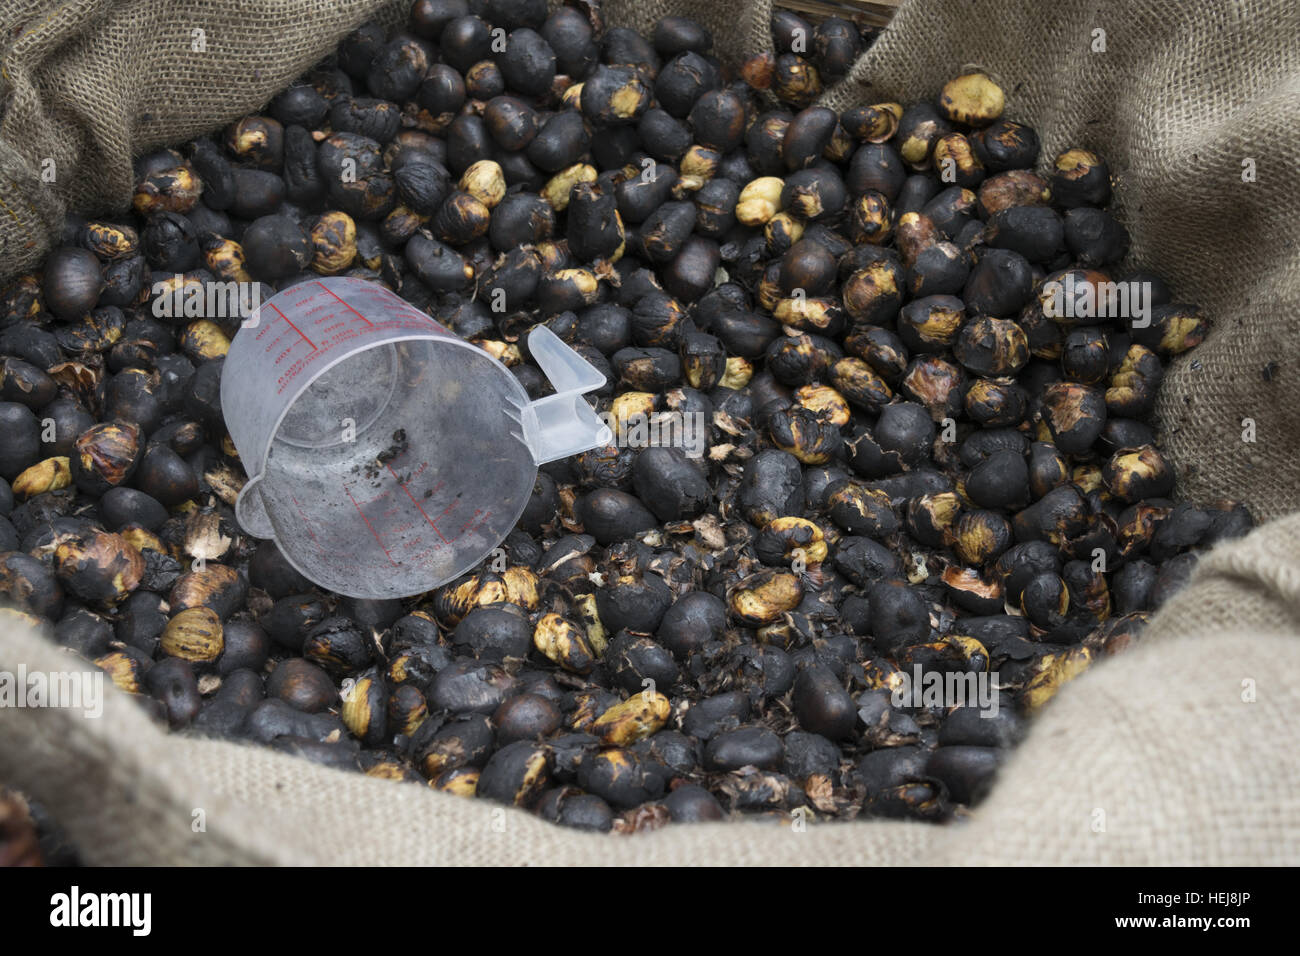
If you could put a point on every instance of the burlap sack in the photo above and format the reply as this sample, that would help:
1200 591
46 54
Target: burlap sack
89 84
1181 751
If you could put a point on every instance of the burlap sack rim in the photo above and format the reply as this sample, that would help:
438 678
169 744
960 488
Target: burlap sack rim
166 775
1227 593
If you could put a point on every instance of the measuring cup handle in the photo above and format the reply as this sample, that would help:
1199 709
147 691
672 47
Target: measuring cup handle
250 510
562 424
566 369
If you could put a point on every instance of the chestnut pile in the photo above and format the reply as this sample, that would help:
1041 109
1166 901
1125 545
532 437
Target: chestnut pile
921 458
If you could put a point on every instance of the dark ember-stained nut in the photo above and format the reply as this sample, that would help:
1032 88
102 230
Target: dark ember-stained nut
915 232
1085 357
907 429
806 434
670 484
172 683
635 719
365 709
789 539
165 475
461 219
421 186
1047 468
861 510
763 597
972 590
525 717
1095 237
1173 328
898 615
795 80
931 324
1005 145
1002 480
872 124
956 161
1080 178
570 807
918 128
245 646
1134 384
1035 232
744 747
406 709
337 645
836 45
991 347
194 634
940 269
470 687
931 518
256 141
996 402
692 621
1138 473
637 662
302 685
822 705
493 633
126 668
1001 282
99 568
621 778
106 456
451 746
564 643
972 99
981 536
718 120
1045 600
216 586
806 137
276 246
952 211
611 515
967 772
171 190
515 774
614 95
1075 414
870 219
72 282
690 803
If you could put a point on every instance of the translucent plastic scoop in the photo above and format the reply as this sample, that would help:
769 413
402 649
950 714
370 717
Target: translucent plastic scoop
386 455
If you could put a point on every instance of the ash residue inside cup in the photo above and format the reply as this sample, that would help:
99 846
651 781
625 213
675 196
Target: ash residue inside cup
398 447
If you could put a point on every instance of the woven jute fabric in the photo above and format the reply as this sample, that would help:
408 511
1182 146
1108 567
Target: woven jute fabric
1180 751
86 85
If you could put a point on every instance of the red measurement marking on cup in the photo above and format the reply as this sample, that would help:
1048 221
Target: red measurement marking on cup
291 325
311 534
345 305
378 539
470 523
416 503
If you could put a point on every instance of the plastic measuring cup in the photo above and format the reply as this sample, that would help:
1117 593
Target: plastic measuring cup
386 455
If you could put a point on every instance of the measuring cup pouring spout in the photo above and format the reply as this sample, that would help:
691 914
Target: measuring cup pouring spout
386 455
